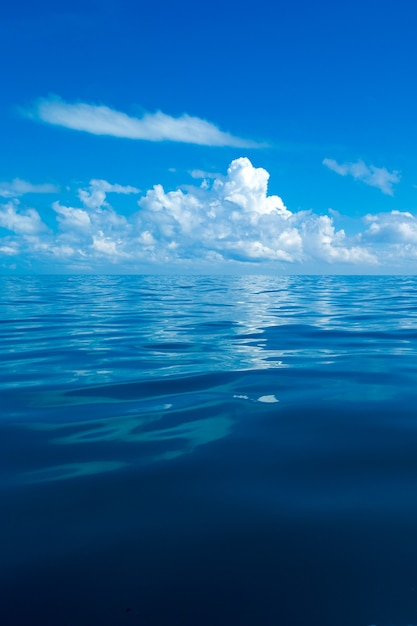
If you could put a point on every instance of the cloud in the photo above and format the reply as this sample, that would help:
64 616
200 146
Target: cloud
26 222
95 196
110 248
203 174
229 220
18 187
102 120
72 218
369 174
234 218
394 235
322 241
9 250
397 227
95 230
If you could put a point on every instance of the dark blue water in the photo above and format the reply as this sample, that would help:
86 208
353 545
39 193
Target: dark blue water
208 451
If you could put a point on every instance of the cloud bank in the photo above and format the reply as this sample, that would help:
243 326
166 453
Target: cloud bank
225 221
369 174
102 120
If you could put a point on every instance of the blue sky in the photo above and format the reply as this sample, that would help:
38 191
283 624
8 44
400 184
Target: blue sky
276 137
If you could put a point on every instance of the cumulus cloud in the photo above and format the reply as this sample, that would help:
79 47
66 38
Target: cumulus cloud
394 235
103 120
111 248
72 218
95 196
369 174
26 222
235 218
18 187
398 227
94 230
321 240
228 219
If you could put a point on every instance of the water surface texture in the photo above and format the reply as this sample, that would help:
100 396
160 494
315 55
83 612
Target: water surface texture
208 451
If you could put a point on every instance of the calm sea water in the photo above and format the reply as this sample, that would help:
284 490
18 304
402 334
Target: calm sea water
208 451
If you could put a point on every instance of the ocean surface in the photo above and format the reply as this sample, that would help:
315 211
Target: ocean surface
208 451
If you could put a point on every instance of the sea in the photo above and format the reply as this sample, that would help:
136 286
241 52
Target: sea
208 450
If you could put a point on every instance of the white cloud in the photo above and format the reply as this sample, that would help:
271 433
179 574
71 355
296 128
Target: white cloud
235 218
398 227
93 231
247 187
18 187
227 220
63 251
27 222
322 241
97 213
9 250
102 120
95 196
203 174
107 246
369 174
72 218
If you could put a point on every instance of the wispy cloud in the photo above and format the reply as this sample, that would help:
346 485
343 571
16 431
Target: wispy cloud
378 177
18 187
103 120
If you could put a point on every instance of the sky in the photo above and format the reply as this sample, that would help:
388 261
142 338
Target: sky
267 137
